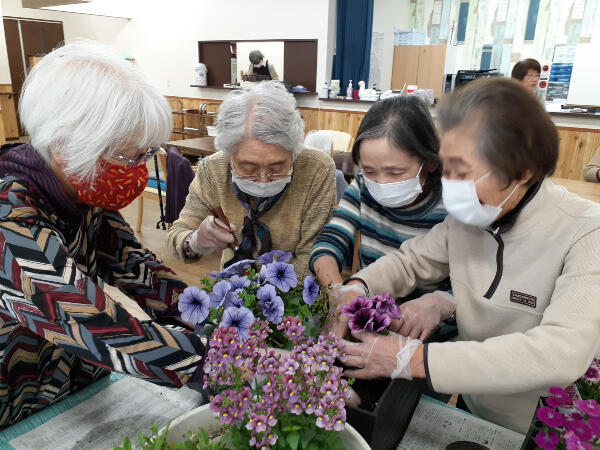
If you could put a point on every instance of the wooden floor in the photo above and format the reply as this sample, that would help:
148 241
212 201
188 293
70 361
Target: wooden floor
154 240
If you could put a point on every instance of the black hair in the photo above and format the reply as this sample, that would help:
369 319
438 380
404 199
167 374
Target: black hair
407 125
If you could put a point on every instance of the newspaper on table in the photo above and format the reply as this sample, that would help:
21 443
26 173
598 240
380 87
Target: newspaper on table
103 421
435 425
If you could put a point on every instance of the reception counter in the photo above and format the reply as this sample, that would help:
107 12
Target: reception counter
579 133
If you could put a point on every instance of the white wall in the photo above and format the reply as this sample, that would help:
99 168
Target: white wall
388 14
4 69
163 36
109 30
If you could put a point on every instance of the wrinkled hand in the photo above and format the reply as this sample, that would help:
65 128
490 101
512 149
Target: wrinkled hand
379 356
422 315
212 234
340 296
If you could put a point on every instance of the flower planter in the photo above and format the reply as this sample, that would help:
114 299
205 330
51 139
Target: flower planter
203 417
392 403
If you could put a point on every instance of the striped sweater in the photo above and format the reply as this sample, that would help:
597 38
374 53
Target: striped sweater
382 229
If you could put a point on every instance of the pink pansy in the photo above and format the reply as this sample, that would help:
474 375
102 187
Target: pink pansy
560 395
590 407
551 417
581 429
547 439
592 374
594 423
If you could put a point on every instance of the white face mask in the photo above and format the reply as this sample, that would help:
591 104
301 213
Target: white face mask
261 190
395 195
461 201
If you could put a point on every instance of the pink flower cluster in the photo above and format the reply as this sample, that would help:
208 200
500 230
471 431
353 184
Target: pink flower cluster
371 314
305 381
574 423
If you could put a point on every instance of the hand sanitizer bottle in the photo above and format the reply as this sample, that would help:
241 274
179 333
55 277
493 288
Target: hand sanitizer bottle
349 91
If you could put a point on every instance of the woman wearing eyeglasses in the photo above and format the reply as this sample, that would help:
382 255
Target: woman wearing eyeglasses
276 194
527 72
92 118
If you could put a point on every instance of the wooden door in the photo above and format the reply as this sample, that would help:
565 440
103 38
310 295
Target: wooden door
406 65
38 38
430 75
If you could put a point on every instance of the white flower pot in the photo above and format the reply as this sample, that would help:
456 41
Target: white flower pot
203 417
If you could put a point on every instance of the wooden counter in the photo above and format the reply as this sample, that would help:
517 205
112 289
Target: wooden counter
579 134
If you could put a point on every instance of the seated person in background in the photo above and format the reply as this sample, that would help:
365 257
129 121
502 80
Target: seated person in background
259 66
527 72
591 172
397 195
322 140
522 255
91 117
276 194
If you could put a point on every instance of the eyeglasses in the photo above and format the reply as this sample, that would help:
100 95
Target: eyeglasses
268 176
532 75
140 159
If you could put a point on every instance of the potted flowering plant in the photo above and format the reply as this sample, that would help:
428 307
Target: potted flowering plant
569 418
274 400
241 293
385 406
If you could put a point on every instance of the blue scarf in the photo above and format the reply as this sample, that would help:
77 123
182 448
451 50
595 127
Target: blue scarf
253 227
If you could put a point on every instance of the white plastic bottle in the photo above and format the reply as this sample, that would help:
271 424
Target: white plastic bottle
200 75
349 91
325 90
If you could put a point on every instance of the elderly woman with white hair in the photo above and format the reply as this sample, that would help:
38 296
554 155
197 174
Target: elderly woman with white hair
323 140
94 121
275 194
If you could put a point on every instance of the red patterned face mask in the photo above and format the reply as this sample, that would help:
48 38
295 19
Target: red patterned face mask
115 186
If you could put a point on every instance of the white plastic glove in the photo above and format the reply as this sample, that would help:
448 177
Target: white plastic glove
422 315
341 295
212 234
379 356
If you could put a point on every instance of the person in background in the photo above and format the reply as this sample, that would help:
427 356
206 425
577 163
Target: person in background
591 172
527 72
522 255
259 66
93 120
322 140
396 196
276 194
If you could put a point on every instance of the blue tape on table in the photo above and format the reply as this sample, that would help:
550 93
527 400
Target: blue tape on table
41 417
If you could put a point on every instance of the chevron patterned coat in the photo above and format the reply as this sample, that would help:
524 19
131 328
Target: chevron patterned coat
58 330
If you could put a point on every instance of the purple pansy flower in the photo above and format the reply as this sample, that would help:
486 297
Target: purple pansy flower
240 318
356 305
233 298
550 417
362 320
219 292
547 439
238 282
380 321
310 292
194 305
274 256
281 275
272 304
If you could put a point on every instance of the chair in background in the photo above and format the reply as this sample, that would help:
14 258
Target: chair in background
342 141
151 192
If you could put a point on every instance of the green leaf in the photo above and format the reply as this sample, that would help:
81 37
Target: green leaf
140 438
312 446
306 436
293 438
291 428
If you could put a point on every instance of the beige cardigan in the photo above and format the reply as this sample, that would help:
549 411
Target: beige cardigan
539 327
294 221
590 172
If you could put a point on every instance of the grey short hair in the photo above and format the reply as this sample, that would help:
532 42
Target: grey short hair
266 112
84 100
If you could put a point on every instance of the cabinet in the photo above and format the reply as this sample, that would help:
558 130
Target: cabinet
422 65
